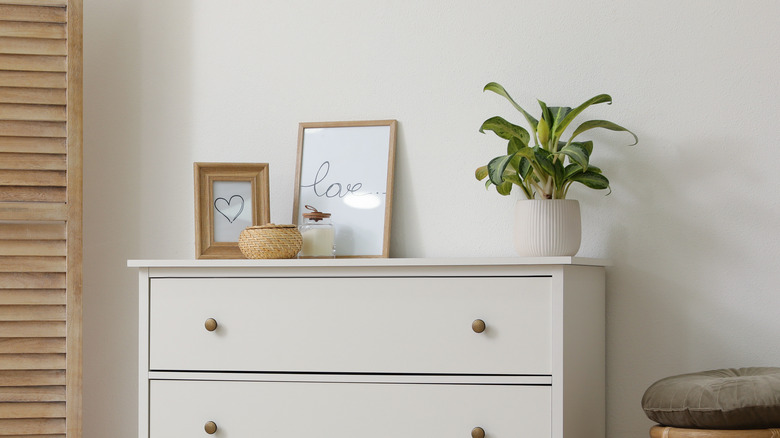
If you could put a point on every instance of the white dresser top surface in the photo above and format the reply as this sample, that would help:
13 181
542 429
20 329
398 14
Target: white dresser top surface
357 262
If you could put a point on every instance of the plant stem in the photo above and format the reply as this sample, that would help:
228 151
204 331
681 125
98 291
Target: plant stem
527 191
536 186
548 192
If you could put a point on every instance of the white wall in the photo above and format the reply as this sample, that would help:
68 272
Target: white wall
690 225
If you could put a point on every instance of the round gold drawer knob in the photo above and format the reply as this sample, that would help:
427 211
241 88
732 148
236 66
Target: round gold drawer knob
478 326
210 427
211 324
477 432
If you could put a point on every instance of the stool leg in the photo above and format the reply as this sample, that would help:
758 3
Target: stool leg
659 431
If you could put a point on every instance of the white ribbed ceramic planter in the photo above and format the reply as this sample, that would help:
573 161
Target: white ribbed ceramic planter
545 228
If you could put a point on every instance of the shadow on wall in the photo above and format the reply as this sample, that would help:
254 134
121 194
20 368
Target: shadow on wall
167 101
128 80
405 231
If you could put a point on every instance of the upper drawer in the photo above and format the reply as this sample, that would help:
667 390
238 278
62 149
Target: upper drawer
363 325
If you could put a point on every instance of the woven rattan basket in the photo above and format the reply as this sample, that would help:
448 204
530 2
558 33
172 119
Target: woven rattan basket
270 241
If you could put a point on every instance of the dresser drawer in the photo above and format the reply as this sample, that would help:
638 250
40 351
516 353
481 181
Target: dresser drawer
180 409
347 325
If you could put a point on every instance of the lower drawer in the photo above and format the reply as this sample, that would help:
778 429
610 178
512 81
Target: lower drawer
346 410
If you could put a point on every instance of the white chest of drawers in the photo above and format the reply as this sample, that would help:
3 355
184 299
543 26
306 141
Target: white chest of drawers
375 348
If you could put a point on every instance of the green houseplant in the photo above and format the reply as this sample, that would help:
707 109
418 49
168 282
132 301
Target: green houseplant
551 165
546 223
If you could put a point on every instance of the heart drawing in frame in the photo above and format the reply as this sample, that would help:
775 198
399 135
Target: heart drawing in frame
228 208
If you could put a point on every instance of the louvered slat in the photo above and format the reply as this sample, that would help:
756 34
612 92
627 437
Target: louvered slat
32 410
33 63
33 248
35 436
32 361
32 129
33 161
32 264
32 231
31 329
32 211
43 96
32 345
45 113
32 194
12 313
33 394
33 46
32 280
36 79
57 3
32 296
18 378
33 145
37 178
32 426
40 14
33 30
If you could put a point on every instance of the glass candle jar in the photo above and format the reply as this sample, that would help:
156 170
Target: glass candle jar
319 235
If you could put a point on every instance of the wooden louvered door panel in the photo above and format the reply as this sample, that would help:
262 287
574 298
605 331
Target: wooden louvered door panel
40 218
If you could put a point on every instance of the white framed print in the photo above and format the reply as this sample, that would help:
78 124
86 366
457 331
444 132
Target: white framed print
346 169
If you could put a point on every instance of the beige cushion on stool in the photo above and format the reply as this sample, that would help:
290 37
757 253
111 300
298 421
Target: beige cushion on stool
744 398
674 432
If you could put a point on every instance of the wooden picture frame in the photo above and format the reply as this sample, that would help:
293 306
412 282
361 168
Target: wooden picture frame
346 169
228 198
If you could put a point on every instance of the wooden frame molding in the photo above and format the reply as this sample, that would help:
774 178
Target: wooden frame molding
73 384
207 213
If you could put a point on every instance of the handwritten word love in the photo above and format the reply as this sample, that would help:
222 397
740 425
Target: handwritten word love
335 189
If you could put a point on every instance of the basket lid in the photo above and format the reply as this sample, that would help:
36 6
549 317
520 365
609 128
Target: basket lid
315 214
267 226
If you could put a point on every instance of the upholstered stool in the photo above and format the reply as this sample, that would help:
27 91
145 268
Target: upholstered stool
729 403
